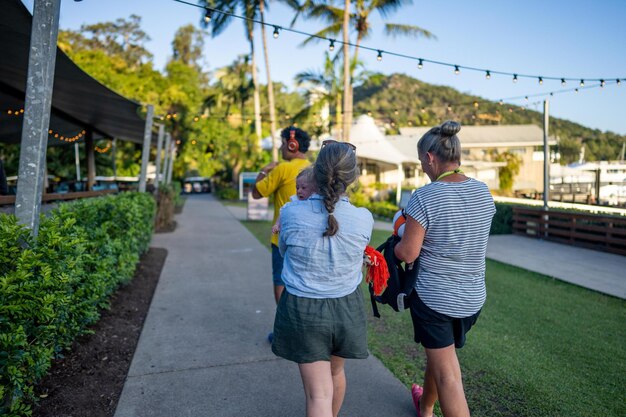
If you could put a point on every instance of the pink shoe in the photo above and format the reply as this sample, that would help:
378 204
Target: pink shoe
417 392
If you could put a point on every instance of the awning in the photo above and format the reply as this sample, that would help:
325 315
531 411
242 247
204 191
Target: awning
79 101
372 144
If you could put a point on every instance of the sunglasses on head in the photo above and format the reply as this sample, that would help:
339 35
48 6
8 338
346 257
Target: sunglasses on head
329 141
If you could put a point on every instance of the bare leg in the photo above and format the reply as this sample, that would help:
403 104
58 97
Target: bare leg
430 396
444 370
318 388
339 383
278 291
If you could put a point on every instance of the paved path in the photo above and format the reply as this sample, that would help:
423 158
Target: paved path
599 271
203 349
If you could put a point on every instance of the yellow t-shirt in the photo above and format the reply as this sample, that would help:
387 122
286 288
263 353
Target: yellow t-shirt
281 181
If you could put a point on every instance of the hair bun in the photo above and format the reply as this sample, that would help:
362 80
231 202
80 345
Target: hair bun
450 128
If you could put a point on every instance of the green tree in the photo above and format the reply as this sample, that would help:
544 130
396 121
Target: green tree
360 21
187 45
507 173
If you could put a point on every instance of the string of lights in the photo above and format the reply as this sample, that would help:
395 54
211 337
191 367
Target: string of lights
209 11
106 149
64 138
423 109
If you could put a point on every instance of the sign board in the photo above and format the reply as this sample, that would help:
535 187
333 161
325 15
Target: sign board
246 183
405 196
257 209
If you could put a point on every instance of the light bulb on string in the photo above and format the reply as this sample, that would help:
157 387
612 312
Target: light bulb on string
563 82
488 75
420 63
501 102
582 83
602 83
576 90
618 82
380 56
514 78
540 81
331 47
456 69
276 32
207 16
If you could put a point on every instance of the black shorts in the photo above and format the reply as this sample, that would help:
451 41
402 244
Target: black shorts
435 330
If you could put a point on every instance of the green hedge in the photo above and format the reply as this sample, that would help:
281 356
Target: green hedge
52 287
502 223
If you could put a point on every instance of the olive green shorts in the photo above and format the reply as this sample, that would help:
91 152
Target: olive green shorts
310 329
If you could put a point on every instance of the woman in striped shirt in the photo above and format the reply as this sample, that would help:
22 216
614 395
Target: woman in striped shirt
447 226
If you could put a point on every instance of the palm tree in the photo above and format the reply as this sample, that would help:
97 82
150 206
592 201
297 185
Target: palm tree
326 91
220 21
338 19
326 88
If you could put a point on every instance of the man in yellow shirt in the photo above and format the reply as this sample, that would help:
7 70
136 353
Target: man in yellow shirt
279 179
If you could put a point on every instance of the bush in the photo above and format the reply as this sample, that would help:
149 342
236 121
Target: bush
53 286
383 209
502 223
228 193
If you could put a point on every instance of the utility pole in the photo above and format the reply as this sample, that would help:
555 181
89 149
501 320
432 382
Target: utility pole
38 101
546 155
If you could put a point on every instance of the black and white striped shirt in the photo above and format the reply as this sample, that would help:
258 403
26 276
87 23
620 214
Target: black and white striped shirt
457 218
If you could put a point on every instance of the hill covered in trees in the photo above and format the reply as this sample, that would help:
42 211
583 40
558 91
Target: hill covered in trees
400 100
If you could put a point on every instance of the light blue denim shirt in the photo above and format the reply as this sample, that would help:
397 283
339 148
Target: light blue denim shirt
323 267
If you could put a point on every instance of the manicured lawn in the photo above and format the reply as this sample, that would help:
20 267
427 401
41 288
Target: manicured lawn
541 347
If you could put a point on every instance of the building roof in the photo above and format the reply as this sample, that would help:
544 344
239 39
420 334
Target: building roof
372 144
78 101
477 137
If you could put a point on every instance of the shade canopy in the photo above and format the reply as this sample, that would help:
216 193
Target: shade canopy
79 102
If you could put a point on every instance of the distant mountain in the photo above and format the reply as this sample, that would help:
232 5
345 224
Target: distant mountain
399 100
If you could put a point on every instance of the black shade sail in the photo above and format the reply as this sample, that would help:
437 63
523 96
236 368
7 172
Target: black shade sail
79 102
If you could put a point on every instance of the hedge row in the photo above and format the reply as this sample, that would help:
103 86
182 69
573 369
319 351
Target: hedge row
52 287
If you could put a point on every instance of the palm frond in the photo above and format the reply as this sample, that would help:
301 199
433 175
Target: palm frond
328 32
394 29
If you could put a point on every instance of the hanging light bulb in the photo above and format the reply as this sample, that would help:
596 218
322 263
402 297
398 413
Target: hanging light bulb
526 98
488 75
380 56
276 33
514 78
582 83
602 83
207 16
501 102
618 81
331 47
576 89
456 69
563 82
420 64
540 81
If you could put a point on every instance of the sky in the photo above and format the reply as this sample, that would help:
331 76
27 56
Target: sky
556 38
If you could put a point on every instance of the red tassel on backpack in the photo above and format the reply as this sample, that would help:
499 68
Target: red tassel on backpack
377 273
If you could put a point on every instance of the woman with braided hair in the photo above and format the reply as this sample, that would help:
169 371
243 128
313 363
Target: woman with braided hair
320 319
447 226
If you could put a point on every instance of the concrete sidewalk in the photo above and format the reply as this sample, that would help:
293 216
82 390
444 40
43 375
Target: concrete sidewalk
203 350
598 271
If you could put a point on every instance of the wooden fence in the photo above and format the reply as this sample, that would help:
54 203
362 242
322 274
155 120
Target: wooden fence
10 199
605 233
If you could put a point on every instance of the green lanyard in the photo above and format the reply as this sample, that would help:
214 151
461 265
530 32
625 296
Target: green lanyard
445 174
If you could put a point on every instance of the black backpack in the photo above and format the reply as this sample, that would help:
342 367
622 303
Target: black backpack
401 283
